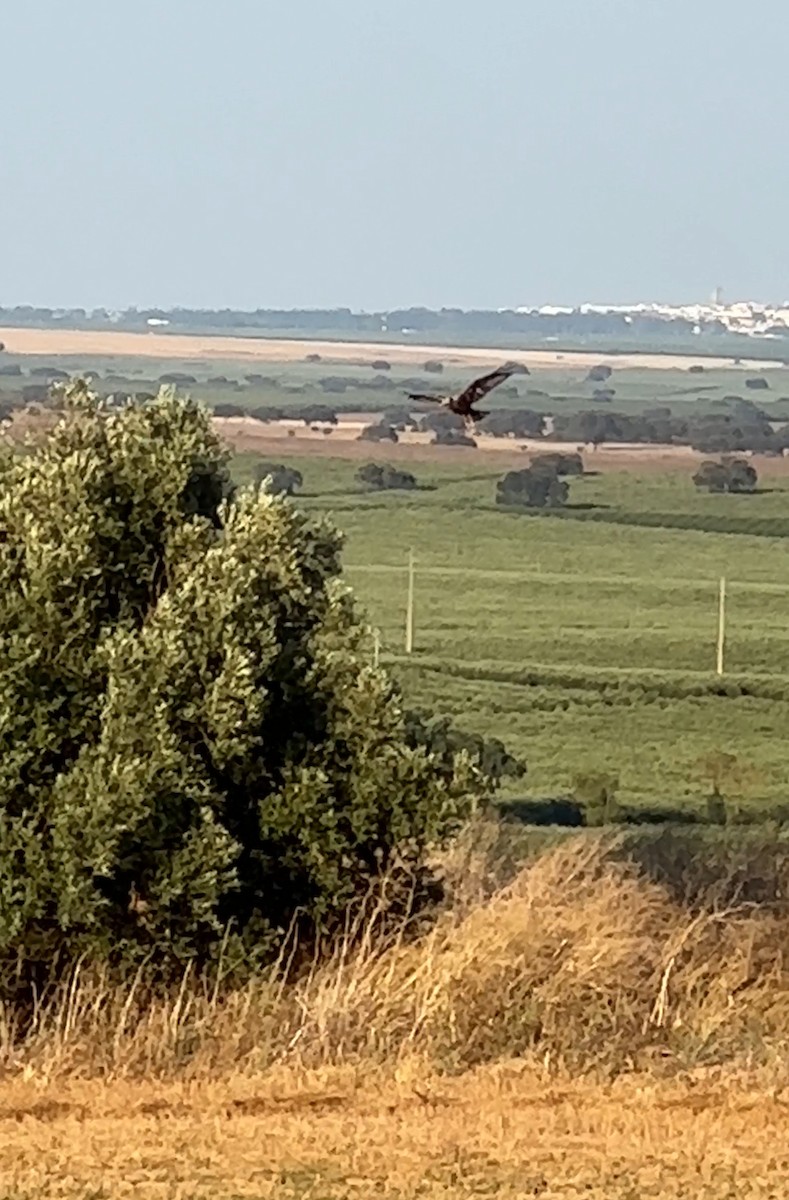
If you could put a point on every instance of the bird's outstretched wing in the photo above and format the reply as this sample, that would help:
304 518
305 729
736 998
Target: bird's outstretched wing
480 387
421 396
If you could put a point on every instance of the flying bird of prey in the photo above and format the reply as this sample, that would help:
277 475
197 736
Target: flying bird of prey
464 403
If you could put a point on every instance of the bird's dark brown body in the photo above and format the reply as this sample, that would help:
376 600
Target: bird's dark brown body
464 403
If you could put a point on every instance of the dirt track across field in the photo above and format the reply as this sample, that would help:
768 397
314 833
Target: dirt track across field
106 343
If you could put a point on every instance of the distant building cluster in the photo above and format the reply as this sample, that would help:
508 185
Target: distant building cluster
746 316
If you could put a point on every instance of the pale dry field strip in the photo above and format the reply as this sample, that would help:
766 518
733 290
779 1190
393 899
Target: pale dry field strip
245 434
99 343
499 1131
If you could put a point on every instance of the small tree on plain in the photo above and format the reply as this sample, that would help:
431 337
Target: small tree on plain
279 479
558 463
735 475
453 437
382 432
599 374
384 477
439 420
532 488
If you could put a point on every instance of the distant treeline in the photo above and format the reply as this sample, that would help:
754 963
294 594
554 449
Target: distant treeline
444 323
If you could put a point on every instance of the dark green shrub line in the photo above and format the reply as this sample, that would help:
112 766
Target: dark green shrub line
570 813
645 687
772 527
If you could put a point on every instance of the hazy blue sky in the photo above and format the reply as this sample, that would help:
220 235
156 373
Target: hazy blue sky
367 153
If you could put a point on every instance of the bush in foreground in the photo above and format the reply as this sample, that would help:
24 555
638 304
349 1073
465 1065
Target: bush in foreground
575 960
194 755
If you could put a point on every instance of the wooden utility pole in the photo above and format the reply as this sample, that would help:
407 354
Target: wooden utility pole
376 648
409 612
721 624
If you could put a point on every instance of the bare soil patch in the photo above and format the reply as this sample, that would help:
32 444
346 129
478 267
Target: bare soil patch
245 434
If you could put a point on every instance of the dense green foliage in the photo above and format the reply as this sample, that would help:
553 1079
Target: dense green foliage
194 752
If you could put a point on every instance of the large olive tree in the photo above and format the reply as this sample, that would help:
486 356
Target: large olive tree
194 749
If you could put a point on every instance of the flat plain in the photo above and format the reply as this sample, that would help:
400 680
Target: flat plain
107 343
585 1037
587 641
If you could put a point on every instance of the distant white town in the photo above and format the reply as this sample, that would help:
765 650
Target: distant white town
745 316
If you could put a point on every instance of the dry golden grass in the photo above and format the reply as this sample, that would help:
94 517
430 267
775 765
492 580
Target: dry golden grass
572 1033
504 1131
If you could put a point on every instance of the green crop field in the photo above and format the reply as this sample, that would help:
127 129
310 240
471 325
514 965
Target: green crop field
585 646
587 640
552 390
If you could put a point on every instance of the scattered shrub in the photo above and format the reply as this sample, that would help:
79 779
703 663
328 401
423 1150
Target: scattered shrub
728 475
281 480
256 380
315 414
228 409
439 420
382 432
513 422
380 383
558 463
177 378
52 374
383 477
599 374
334 384
532 487
267 412
453 437
399 418
433 366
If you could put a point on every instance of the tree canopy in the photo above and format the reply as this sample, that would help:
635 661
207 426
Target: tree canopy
194 750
